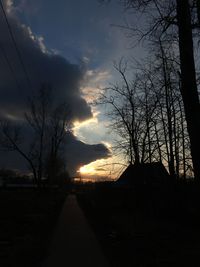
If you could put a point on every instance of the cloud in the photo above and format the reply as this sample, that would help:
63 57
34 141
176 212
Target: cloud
103 169
82 154
76 153
94 80
42 66
8 4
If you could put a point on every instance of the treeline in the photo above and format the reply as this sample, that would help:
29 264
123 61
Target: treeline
147 114
154 108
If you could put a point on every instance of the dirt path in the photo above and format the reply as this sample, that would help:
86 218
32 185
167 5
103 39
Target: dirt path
74 243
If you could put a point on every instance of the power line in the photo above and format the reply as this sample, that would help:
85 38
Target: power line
15 45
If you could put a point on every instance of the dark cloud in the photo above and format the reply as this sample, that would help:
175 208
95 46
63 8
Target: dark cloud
82 28
42 66
82 154
76 153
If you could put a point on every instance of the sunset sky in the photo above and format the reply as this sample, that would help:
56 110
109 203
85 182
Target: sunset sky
71 45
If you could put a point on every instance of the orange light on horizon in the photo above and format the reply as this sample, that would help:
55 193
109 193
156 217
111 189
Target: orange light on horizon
86 169
102 169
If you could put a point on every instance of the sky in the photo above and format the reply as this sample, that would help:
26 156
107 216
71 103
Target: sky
71 45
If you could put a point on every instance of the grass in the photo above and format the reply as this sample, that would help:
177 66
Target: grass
27 220
145 226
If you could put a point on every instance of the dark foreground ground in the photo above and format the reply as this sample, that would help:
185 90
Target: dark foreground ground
138 227
145 226
27 220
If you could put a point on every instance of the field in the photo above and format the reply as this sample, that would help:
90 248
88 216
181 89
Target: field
27 220
145 226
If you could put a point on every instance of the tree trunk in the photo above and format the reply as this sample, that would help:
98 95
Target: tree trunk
158 142
188 82
167 87
183 139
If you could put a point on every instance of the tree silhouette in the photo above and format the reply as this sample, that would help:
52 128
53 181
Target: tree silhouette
47 123
146 112
172 21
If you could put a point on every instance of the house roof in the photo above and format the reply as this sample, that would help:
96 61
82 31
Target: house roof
144 173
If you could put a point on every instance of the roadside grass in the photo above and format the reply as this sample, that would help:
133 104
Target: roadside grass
27 220
145 226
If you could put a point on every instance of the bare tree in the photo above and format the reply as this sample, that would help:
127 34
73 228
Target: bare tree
57 129
37 118
122 111
174 21
130 112
11 139
146 106
188 81
47 123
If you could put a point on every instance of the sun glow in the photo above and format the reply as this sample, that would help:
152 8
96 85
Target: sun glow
87 169
102 168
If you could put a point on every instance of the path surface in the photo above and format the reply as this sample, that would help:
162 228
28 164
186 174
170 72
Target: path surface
74 243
